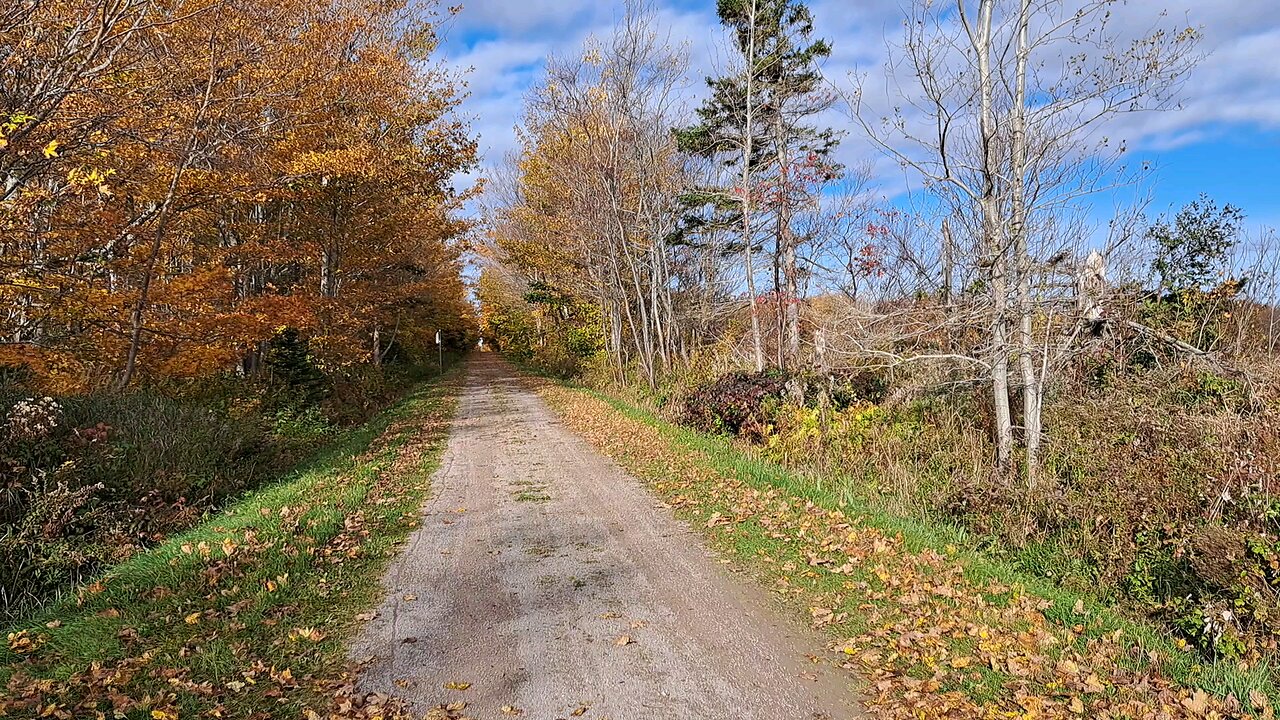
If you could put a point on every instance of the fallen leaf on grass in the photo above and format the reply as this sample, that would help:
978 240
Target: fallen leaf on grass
1257 699
306 633
1198 703
24 642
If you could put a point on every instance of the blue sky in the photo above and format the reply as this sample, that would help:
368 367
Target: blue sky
1241 166
1224 140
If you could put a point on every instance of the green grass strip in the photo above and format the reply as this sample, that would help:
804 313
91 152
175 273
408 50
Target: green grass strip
208 623
1221 678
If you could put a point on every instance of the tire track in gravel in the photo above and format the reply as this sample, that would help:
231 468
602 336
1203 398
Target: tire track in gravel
551 581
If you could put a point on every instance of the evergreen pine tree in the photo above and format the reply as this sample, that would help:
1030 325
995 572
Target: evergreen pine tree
779 89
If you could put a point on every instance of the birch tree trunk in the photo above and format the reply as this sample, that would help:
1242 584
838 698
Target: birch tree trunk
998 285
1032 385
787 248
748 234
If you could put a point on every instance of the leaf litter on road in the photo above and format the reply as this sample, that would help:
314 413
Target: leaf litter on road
928 639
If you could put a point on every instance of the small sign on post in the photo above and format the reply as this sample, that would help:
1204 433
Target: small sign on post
440 352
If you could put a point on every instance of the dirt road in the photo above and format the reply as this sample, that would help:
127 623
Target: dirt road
551 581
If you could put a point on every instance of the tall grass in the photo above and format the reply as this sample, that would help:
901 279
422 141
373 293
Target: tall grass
121 471
981 560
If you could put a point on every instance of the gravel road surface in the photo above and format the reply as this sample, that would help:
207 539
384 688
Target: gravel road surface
556 586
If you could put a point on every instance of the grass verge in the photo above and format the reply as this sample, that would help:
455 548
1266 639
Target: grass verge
937 629
246 615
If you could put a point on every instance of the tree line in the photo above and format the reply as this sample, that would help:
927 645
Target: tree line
632 228
184 182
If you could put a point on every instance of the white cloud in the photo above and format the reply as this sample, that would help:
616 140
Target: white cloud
506 41
504 44
523 17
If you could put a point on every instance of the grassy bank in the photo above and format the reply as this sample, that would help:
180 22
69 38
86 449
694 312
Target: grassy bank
88 480
244 616
936 627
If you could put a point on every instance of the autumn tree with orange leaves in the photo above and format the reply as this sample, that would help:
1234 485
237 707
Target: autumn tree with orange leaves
183 181
586 258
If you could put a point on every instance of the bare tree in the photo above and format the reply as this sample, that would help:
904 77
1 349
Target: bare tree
598 132
751 67
1008 105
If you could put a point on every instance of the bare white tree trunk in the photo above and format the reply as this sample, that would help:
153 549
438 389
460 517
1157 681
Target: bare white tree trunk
787 249
994 241
1032 382
748 233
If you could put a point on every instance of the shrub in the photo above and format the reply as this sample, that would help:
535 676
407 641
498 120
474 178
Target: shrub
739 403
48 543
358 392
847 388
307 424
1160 488
1163 480
89 480
804 432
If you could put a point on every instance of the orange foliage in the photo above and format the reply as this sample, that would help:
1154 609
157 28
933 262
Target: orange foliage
179 182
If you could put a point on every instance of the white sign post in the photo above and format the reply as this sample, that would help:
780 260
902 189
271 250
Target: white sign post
440 352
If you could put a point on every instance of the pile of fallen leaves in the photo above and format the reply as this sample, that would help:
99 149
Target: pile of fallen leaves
246 616
930 637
